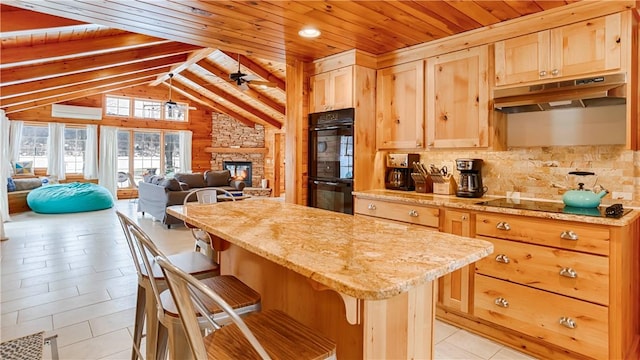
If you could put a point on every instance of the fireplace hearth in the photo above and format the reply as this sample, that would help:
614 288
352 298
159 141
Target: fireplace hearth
240 170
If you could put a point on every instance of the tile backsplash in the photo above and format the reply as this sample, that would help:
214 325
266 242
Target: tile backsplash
541 172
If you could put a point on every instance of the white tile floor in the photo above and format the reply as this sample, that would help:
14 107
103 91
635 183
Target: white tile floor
72 275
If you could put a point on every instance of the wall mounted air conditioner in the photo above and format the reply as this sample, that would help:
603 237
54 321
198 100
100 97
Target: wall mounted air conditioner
76 112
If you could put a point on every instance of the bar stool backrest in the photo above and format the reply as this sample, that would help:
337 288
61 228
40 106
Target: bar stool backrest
182 287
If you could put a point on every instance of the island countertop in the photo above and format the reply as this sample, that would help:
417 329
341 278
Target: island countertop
361 257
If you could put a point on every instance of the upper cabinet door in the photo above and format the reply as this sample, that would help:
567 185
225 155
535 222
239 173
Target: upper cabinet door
584 48
522 59
332 90
587 47
400 106
457 99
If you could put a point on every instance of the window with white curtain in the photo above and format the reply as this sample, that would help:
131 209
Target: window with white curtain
33 144
148 152
75 144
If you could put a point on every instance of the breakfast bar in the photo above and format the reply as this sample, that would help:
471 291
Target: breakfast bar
367 284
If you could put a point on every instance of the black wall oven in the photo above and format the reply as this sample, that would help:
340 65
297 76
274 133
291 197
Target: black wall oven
331 160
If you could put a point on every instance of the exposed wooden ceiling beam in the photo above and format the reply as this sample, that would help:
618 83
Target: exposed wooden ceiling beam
215 70
77 88
60 81
17 22
64 67
193 58
231 99
258 70
50 51
82 94
186 91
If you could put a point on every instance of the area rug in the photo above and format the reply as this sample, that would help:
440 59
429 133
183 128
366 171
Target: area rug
28 347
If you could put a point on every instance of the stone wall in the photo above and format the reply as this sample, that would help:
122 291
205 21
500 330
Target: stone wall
541 172
230 133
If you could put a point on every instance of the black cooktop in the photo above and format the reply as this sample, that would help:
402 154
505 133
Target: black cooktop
547 206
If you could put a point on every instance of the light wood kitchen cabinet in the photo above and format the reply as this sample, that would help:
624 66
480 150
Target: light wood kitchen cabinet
455 289
408 213
332 90
584 48
457 109
400 106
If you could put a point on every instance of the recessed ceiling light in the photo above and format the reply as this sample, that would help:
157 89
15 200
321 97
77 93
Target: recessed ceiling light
309 32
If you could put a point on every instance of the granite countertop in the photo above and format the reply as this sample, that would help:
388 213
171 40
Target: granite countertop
451 201
360 257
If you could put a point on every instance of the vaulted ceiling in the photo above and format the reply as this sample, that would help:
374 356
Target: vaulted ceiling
58 50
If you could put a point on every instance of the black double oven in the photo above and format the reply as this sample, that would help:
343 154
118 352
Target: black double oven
331 160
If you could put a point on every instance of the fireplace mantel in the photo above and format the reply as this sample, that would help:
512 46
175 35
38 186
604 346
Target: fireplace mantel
229 150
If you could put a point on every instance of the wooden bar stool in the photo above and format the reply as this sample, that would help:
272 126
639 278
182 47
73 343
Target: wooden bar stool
263 335
164 330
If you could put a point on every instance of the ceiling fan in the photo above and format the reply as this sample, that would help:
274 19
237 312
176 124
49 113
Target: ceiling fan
243 80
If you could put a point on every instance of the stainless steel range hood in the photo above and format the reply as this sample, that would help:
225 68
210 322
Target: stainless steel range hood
594 91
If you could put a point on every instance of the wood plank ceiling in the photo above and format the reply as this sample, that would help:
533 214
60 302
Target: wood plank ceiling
58 50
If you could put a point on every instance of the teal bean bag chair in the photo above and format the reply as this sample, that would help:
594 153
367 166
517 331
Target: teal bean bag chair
69 198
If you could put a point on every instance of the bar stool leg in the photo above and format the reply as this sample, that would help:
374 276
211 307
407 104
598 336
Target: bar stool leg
152 325
139 324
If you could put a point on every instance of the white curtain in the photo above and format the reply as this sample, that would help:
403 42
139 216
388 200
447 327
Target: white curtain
91 153
184 138
55 148
108 168
15 140
5 168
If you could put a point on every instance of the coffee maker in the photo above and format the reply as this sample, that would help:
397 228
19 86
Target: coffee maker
398 173
470 184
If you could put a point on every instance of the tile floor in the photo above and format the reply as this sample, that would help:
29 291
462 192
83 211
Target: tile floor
72 275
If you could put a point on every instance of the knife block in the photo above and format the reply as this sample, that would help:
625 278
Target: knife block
423 184
448 187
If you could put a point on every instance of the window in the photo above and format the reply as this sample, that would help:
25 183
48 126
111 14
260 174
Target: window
118 106
75 143
153 152
147 109
33 145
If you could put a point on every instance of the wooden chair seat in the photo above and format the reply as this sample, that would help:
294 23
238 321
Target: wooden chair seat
232 290
194 263
282 336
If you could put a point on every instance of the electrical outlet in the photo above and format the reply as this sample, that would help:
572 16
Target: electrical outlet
619 195
513 195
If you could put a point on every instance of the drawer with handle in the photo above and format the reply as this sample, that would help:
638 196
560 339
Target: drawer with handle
584 276
573 324
414 214
562 234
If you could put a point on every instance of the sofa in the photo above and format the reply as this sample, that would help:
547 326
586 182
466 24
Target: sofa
155 192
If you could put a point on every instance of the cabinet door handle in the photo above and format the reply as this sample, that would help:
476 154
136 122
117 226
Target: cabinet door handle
397 121
543 73
568 322
502 302
503 225
502 258
413 213
464 218
371 207
568 235
555 72
568 272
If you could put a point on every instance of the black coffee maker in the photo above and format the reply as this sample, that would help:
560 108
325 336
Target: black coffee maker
398 173
470 184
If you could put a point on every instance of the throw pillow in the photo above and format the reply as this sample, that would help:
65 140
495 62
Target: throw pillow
170 184
218 177
24 167
156 179
195 180
11 186
184 186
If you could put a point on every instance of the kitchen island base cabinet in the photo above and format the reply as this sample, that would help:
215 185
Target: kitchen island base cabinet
379 329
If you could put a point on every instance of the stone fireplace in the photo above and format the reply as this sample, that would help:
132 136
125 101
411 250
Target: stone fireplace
240 170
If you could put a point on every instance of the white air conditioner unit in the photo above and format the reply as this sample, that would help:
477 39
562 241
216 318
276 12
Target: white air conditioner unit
76 112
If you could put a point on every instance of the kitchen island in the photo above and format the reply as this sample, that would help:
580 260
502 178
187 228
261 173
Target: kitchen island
366 284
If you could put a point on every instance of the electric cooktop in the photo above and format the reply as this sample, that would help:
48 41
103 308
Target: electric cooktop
615 211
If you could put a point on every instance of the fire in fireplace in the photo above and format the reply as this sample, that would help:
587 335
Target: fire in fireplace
240 170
